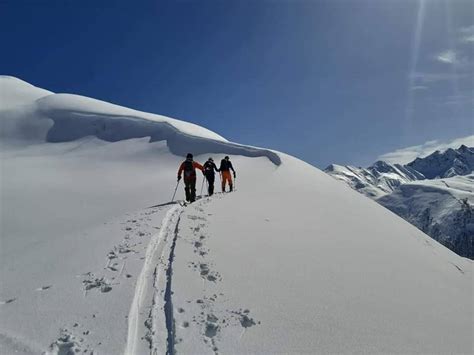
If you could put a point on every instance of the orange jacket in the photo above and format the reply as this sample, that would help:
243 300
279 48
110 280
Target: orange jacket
195 166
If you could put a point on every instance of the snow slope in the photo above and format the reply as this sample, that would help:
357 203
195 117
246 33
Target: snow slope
441 208
291 262
419 193
375 181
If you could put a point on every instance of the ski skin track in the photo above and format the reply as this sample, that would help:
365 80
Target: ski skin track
155 247
168 307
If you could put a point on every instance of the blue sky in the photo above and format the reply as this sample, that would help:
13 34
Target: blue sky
327 81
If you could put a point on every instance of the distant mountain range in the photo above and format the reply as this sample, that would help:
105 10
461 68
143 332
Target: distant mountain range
435 193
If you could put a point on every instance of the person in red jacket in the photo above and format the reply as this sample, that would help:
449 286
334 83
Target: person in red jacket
188 167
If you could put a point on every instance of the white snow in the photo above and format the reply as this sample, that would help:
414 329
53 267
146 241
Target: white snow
431 193
15 92
81 107
376 180
324 270
441 208
66 117
291 262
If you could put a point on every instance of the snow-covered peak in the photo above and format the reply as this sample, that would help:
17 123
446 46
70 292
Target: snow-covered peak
376 180
382 177
449 163
422 193
442 208
15 92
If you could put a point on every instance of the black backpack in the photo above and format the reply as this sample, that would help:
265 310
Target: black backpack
208 167
189 171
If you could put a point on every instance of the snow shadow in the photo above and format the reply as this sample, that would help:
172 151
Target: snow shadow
69 125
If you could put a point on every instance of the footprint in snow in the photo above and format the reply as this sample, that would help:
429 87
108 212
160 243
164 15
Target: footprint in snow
44 288
246 321
68 344
101 284
211 330
8 301
207 274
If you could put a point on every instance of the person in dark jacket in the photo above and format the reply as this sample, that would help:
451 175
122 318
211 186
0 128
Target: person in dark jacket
209 168
225 168
188 167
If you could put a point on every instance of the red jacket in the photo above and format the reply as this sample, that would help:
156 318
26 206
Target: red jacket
189 174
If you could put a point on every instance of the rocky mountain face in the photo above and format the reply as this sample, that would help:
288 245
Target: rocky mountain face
447 164
435 193
375 181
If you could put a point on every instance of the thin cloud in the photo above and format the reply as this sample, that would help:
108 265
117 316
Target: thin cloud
460 99
426 78
406 155
448 57
419 87
467 34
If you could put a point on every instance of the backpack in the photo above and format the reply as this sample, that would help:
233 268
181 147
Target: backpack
189 171
208 167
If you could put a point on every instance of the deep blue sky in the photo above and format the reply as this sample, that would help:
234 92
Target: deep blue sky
327 81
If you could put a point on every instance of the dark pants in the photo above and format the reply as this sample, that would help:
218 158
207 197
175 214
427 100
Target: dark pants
210 183
190 189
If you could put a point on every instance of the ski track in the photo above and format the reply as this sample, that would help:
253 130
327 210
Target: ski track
156 247
168 306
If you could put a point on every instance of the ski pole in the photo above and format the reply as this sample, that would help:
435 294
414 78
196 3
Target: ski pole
175 189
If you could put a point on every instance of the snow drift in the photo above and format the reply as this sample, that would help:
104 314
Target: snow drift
291 262
75 117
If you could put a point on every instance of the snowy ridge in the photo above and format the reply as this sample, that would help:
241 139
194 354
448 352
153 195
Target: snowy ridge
15 92
445 164
75 117
433 193
382 178
441 208
377 180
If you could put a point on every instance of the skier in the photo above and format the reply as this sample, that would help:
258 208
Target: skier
209 168
189 168
225 168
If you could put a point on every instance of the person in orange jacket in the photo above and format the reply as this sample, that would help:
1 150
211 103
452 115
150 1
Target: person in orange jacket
225 168
189 167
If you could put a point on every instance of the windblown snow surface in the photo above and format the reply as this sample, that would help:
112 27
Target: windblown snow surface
95 258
